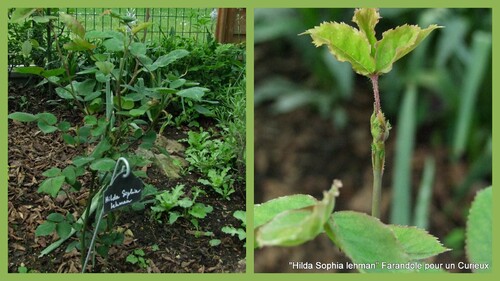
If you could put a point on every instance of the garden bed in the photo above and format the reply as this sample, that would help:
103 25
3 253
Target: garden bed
167 248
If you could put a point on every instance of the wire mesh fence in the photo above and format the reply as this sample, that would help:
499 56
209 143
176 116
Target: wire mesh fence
196 23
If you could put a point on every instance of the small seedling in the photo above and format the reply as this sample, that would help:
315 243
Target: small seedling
241 231
137 257
220 181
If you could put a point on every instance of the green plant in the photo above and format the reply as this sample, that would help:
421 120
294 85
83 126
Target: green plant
240 231
120 94
220 181
191 210
371 58
205 153
293 220
137 257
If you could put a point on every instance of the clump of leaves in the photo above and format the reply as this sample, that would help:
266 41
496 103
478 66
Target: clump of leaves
189 208
137 257
240 231
220 181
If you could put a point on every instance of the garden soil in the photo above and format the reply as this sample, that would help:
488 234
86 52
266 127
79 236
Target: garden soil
168 248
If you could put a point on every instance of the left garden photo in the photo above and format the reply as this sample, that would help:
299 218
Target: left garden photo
126 140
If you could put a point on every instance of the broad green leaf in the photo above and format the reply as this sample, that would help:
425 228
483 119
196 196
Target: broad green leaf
203 110
479 235
132 259
367 19
51 185
52 172
173 216
199 210
43 19
170 57
23 117
74 26
265 212
64 126
114 45
53 72
70 174
241 215
26 48
90 120
45 229
36 70
47 117
102 147
55 217
80 161
294 227
194 93
46 128
346 44
95 34
416 242
136 112
396 43
69 139
21 14
64 93
103 165
63 229
138 48
366 240
105 66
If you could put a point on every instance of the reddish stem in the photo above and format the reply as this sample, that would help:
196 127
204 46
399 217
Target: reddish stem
374 79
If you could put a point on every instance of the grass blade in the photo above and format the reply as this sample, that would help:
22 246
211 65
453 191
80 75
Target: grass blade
470 89
405 139
421 215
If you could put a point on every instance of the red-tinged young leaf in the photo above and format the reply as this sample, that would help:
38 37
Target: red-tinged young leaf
346 43
367 19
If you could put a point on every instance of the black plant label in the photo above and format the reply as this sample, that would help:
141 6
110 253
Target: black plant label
124 191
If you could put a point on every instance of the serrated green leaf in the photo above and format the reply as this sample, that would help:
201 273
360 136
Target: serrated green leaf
346 44
52 185
103 165
366 240
398 42
367 19
479 233
241 215
200 210
416 242
22 117
45 229
294 227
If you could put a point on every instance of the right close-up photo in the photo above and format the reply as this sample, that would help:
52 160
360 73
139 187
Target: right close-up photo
373 140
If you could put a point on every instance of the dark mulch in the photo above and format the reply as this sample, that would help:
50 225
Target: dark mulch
169 248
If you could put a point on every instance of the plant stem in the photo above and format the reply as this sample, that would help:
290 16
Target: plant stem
380 132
